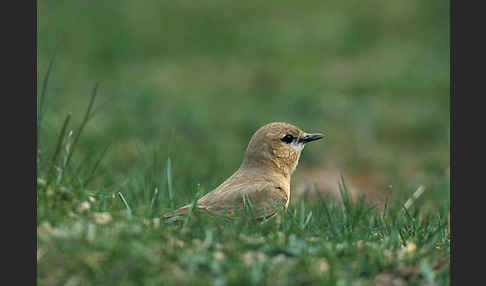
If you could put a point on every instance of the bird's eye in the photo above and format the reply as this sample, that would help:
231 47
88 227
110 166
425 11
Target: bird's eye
287 138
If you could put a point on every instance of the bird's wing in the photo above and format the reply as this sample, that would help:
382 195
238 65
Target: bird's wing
260 199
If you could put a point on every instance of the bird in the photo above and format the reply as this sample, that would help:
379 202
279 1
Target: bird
263 179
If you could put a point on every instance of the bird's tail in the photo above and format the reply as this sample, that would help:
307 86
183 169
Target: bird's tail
177 214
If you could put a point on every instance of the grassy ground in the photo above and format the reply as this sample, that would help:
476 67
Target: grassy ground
182 86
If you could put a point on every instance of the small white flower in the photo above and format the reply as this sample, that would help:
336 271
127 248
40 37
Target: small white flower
102 218
322 265
84 206
218 255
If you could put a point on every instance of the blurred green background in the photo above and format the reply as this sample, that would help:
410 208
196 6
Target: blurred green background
194 79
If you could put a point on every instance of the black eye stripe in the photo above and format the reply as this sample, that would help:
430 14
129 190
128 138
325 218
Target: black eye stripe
288 138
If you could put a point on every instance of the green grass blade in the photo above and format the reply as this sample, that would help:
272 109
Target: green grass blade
83 124
129 210
43 94
169 183
191 210
58 149
154 197
95 167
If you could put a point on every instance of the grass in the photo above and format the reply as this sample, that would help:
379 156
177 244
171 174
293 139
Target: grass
144 107
95 239
99 236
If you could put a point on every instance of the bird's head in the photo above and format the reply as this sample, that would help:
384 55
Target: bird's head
278 146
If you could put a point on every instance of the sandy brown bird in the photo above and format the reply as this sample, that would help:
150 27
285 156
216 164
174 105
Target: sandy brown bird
262 180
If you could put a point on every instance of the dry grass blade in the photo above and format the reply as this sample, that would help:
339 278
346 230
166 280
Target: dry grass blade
414 197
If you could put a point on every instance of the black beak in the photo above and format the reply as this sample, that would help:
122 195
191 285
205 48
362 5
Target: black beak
311 137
